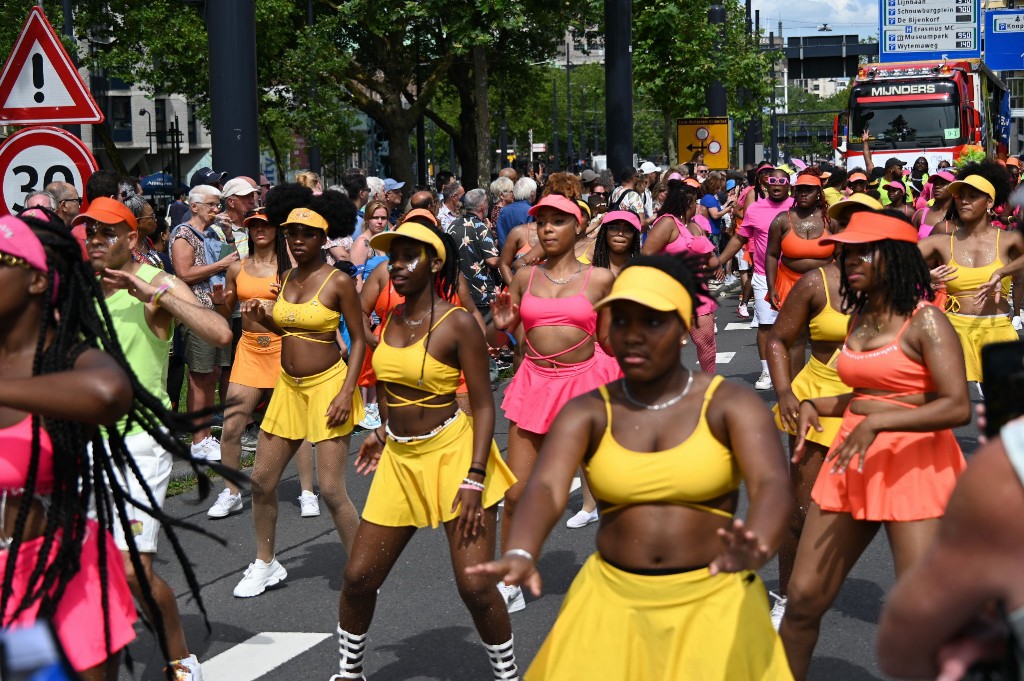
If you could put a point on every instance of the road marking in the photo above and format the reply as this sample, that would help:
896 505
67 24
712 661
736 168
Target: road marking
575 485
259 655
724 357
737 326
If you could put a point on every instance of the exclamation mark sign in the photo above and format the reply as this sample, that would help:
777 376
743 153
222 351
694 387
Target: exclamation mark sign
37 77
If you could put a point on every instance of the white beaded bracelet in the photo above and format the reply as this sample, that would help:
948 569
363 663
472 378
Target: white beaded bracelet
522 553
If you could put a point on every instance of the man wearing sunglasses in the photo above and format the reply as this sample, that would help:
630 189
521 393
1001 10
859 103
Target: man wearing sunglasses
68 201
757 221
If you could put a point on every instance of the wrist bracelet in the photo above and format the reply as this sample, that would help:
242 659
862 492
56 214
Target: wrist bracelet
473 483
155 298
379 438
478 471
472 488
522 553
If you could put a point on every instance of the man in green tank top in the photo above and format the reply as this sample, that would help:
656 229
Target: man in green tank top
144 303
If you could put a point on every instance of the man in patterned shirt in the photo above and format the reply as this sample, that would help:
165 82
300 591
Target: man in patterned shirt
478 254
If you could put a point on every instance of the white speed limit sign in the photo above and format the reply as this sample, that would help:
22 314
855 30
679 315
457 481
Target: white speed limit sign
34 157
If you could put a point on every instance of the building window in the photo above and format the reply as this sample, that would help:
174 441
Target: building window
193 134
121 118
161 121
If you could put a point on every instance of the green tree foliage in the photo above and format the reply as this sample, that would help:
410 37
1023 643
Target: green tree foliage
676 57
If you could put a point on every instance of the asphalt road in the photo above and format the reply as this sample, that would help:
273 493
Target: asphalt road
421 630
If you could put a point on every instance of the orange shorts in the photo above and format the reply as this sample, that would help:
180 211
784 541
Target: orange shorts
257 360
906 476
367 378
785 280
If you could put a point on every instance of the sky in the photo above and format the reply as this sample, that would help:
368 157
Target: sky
858 17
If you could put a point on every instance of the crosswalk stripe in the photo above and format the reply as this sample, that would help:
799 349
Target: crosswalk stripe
576 484
737 326
724 357
259 655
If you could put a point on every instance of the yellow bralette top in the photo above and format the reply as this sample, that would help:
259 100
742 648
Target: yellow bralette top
829 325
969 279
309 317
698 469
414 367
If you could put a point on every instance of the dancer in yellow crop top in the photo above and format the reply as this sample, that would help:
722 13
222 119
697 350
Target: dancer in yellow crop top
431 463
983 258
315 397
811 310
665 451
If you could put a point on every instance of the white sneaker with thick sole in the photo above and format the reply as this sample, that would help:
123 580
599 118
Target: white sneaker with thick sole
226 504
743 312
258 576
187 669
582 519
778 610
208 449
308 504
764 381
513 596
371 417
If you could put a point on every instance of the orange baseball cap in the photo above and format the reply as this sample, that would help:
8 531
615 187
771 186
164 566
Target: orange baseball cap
867 227
109 212
856 177
1013 161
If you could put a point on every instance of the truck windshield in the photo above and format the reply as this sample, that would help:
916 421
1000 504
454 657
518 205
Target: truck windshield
903 121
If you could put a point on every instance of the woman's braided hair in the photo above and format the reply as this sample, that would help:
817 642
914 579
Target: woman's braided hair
87 468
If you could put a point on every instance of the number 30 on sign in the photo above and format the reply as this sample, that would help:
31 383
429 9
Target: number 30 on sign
34 157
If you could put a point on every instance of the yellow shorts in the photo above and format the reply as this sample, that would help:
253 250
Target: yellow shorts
817 380
298 408
628 627
416 482
977 332
257 360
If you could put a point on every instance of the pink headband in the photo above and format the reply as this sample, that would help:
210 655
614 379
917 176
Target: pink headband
674 176
18 239
946 175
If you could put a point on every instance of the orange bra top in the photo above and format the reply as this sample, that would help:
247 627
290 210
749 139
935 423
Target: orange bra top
698 469
248 287
309 317
795 247
829 325
886 368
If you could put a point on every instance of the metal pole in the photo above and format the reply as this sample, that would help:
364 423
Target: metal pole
583 123
313 149
231 27
773 153
503 132
749 135
618 69
568 107
554 122
715 97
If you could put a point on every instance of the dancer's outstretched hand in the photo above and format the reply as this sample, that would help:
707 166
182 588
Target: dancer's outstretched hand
511 569
741 550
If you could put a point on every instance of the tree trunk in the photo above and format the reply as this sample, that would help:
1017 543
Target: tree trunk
466 141
100 130
670 137
482 119
398 131
276 151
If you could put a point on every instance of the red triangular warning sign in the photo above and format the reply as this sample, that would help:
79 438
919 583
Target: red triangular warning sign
40 84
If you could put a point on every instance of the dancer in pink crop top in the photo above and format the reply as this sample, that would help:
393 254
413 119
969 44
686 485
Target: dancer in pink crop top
554 302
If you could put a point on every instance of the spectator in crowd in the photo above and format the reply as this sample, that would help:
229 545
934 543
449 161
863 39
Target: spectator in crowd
501 196
176 211
357 188
68 201
307 178
587 177
478 254
451 204
393 199
188 253
517 212
625 196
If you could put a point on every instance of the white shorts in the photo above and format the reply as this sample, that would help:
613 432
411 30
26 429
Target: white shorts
741 263
763 312
154 464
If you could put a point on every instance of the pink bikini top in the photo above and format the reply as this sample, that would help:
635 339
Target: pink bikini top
687 242
16 448
575 311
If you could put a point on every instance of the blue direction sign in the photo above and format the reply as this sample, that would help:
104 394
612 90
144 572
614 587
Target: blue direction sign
923 30
1004 39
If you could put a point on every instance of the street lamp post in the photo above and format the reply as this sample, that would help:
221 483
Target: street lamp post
149 134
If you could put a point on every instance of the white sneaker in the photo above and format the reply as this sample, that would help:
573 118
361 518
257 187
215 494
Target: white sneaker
208 449
226 504
187 669
371 418
742 311
764 382
513 596
730 280
308 504
582 519
778 610
258 576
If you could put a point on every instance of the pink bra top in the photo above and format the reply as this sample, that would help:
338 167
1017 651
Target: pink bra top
687 242
16 448
575 311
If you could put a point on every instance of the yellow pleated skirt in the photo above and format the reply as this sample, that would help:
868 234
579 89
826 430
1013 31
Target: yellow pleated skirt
977 332
618 625
817 379
298 407
416 482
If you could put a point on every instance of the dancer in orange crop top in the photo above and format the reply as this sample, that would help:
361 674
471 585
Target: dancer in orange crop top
794 239
895 460
315 397
257 362
810 311
554 302
984 257
431 464
665 450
